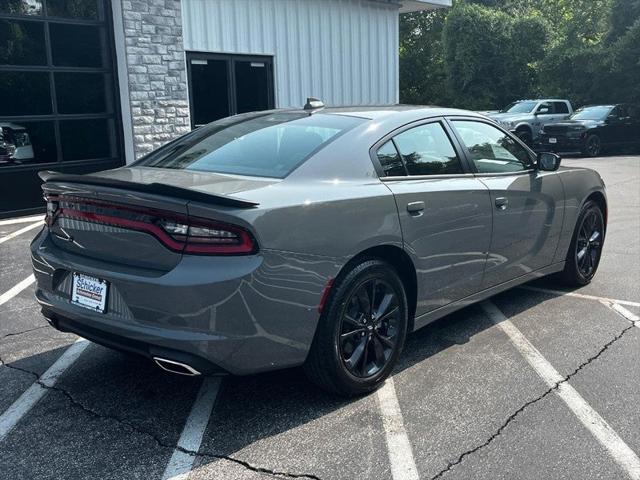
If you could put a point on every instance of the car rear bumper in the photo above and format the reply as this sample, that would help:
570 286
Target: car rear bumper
238 314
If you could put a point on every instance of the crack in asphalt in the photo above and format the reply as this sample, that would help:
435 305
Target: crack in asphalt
24 331
515 414
131 427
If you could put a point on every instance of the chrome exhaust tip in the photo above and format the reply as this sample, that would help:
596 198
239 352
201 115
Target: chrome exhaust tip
176 367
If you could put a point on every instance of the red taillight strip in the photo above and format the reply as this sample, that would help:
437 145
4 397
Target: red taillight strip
193 245
150 228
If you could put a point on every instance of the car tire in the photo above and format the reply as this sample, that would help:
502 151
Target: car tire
356 363
585 250
593 146
525 136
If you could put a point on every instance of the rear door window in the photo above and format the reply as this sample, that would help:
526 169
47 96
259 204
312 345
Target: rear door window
271 145
560 107
427 150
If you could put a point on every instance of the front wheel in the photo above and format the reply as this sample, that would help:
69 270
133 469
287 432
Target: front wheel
593 146
584 253
525 136
361 331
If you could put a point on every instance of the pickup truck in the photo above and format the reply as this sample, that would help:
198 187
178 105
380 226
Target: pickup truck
526 117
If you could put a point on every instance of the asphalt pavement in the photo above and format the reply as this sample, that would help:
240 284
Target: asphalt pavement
536 383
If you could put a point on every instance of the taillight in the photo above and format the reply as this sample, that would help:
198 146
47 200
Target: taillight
176 232
209 237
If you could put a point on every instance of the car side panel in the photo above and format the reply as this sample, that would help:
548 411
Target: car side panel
579 184
449 240
527 227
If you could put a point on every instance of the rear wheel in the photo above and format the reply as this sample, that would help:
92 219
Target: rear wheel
593 146
584 253
361 332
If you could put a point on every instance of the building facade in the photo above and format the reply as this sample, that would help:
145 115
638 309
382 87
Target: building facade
94 84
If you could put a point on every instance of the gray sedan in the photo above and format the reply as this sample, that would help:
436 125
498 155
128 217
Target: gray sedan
318 237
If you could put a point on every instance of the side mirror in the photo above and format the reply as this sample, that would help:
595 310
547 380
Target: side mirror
542 111
548 161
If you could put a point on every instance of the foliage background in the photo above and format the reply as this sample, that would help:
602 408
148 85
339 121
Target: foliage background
483 54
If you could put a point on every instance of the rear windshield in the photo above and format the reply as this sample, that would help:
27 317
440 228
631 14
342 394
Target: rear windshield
270 145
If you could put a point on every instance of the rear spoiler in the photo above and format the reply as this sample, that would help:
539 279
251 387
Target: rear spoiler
154 188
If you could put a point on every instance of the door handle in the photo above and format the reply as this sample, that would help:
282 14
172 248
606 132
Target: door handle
502 203
414 208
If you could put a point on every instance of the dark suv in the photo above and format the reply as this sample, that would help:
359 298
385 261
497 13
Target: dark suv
593 128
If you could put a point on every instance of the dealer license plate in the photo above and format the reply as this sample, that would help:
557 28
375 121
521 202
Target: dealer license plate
89 292
553 140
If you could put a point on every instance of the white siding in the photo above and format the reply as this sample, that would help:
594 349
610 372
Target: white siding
344 52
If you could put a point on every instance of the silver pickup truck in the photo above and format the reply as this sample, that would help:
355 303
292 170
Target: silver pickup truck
527 117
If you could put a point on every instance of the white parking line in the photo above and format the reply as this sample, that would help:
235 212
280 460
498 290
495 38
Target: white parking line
21 231
180 463
633 318
10 418
12 221
626 458
580 295
403 466
16 289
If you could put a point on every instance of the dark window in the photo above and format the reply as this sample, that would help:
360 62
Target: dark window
57 88
24 93
85 139
80 92
560 107
266 145
22 43
390 160
209 87
221 85
86 9
252 86
21 7
27 142
492 150
75 45
427 150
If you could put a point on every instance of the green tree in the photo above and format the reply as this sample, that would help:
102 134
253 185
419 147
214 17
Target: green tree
489 55
422 75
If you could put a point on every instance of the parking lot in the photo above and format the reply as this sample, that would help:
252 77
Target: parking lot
536 383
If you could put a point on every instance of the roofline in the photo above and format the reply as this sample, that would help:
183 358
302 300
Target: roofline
407 6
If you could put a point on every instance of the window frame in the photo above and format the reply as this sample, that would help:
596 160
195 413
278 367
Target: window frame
373 152
469 160
109 71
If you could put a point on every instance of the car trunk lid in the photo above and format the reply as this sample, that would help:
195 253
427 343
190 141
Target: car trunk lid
130 217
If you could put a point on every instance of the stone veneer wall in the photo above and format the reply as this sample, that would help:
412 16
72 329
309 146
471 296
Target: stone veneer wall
156 71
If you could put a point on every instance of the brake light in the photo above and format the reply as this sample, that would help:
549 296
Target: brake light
203 236
177 232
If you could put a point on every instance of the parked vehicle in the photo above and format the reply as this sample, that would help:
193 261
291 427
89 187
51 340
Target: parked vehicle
15 144
316 237
526 117
594 128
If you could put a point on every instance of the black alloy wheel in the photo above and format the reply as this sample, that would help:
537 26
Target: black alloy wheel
585 251
589 244
525 136
369 328
361 330
593 146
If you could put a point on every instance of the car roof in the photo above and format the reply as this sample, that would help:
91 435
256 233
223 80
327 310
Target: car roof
542 100
375 112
